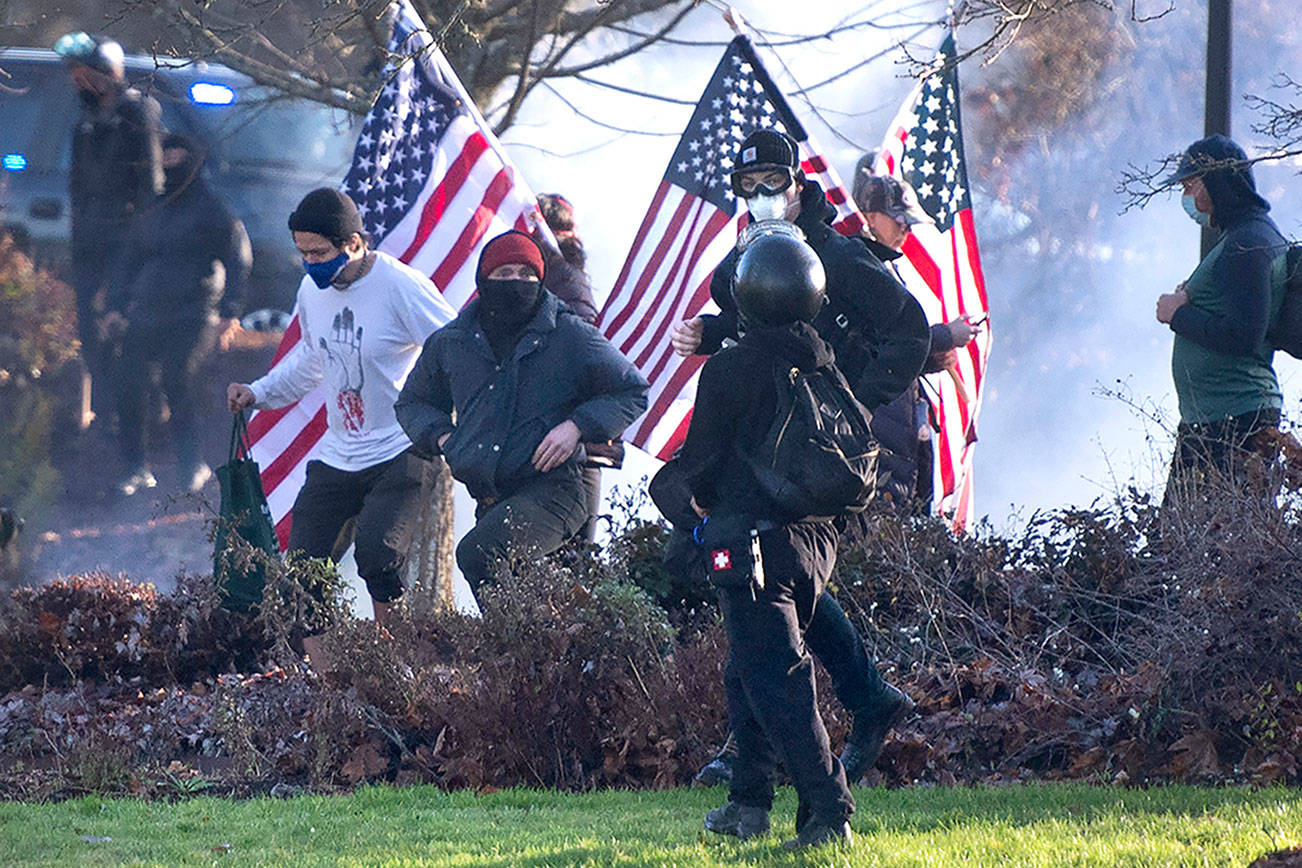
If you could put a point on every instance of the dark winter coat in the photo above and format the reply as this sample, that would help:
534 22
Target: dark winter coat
736 402
116 169
903 426
497 413
570 284
1220 360
876 328
187 259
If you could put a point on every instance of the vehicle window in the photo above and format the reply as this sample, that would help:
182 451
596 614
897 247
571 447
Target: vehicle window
37 111
262 129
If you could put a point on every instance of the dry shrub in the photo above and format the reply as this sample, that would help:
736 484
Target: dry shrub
1118 642
569 679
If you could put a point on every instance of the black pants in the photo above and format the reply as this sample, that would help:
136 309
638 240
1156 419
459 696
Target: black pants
837 645
385 500
1227 454
92 261
537 518
770 676
177 352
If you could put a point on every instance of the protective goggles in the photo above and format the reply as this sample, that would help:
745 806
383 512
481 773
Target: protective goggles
751 183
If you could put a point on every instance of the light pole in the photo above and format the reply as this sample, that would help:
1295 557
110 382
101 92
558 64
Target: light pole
1216 118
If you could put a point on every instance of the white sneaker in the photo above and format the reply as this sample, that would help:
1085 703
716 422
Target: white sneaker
142 478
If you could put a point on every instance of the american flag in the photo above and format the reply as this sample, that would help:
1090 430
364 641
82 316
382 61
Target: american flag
941 264
691 225
433 185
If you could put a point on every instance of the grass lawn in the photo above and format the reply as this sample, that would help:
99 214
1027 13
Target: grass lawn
1010 826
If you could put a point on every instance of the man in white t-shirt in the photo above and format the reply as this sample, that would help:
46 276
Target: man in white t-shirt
364 317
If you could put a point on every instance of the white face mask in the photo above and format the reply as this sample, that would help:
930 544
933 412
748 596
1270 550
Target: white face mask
767 207
1202 218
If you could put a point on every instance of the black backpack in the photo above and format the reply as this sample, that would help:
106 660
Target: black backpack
1285 332
819 457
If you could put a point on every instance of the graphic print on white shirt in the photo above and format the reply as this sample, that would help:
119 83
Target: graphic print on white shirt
344 373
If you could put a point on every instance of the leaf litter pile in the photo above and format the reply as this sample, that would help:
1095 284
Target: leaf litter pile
1119 644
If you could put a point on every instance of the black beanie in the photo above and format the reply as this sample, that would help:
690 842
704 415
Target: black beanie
329 213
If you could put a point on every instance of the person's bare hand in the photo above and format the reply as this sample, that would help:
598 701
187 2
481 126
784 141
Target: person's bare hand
1169 303
443 438
698 509
238 397
686 335
556 447
231 328
962 329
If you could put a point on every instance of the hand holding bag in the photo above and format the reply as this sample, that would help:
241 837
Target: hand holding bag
244 513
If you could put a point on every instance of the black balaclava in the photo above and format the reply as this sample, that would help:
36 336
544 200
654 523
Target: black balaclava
507 306
185 174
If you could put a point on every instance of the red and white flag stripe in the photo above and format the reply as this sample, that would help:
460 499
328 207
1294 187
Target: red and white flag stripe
471 194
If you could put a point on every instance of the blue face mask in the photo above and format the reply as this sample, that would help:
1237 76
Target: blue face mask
324 272
1202 218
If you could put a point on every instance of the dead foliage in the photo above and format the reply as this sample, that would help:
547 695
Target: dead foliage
1114 644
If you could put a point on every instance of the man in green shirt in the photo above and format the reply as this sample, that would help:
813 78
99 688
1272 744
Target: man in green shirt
1221 362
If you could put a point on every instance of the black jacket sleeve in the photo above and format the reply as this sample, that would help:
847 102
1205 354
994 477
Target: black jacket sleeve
424 407
708 445
723 325
142 155
617 393
1242 270
892 348
236 255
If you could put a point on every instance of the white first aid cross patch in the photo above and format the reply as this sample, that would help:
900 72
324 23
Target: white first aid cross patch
722 559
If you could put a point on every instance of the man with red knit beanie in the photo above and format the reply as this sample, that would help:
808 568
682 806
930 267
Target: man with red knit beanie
506 392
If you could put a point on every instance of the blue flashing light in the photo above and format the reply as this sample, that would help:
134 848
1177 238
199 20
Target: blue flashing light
210 93
15 162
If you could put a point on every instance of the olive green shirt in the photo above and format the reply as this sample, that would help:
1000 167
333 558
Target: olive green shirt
1228 293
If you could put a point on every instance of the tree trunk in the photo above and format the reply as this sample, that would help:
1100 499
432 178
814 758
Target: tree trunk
430 572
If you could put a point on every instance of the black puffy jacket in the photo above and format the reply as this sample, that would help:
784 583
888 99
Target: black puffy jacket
188 257
497 413
116 169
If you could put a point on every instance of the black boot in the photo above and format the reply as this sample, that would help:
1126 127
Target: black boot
871 725
819 834
740 821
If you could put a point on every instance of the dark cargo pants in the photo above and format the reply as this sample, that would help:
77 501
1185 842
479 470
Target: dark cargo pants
769 679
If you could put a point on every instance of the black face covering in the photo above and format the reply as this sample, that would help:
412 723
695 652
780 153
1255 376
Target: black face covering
177 178
89 98
506 306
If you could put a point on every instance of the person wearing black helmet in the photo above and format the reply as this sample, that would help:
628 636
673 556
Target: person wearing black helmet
115 175
1221 361
768 565
182 273
880 336
877 329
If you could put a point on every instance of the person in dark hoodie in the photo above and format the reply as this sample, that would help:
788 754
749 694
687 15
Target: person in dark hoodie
768 566
182 273
115 175
506 392
879 334
904 426
1222 365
